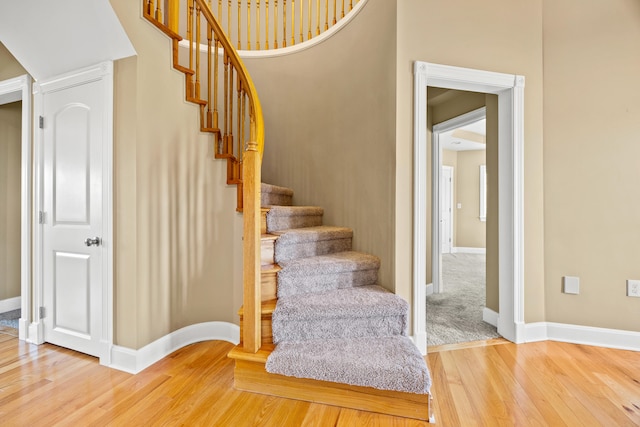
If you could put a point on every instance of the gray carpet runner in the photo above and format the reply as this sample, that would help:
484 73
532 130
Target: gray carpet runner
365 311
311 241
332 322
390 363
274 195
327 272
286 217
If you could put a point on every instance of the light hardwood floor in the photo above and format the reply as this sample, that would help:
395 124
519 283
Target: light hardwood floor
491 383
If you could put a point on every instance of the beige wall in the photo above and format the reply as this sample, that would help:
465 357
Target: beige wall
178 237
10 167
591 152
9 66
495 35
470 231
330 128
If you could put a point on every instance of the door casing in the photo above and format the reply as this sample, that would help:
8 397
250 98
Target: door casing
510 91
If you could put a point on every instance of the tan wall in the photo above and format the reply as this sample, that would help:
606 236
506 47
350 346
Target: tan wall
9 66
491 226
10 167
591 152
470 231
495 35
178 238
330 128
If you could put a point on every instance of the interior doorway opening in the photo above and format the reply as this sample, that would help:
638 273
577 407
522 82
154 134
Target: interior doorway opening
15 97
457 295
509 89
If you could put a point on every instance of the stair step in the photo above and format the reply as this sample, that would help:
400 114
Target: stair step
364 311
287 217
250 375
266 310
387 363
269 281
267 249
326 272
311 241
273 195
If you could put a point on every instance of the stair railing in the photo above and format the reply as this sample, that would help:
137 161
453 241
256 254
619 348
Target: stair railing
273 24
233 115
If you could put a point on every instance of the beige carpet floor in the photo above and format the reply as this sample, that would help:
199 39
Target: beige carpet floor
455 315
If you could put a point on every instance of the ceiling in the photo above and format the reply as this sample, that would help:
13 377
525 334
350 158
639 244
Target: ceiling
50 38
465 138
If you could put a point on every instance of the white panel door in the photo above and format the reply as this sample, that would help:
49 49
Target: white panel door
72 230
446 204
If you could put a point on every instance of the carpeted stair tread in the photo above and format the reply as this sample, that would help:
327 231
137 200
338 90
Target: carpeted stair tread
326 272
364 311
387 363
311 241
273 195
288 217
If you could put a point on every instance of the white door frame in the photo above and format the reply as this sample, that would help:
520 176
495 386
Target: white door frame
510 91
443 187
100 72
12 90
436 178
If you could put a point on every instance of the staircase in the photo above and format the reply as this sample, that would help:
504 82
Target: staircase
314 325
331 334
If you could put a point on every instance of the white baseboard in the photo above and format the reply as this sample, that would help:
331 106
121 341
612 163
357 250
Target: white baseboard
587 335
490 316
429 289
463 250
134 361
9 304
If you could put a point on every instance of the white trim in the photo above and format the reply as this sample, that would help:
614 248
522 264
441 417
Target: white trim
419 199
429 289
510 91
11 90
134 361
10 304
420 336
586 335
490 316
100 72
483 193
463 250
289 50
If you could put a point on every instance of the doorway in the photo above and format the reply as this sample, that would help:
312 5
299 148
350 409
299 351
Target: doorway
15 95
509 89
455 311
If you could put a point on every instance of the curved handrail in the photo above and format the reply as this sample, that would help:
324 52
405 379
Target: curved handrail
235 59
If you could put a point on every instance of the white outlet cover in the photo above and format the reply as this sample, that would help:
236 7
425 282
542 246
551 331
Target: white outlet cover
571 285
633 288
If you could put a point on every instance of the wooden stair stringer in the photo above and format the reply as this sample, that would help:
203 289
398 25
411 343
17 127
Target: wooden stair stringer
250 375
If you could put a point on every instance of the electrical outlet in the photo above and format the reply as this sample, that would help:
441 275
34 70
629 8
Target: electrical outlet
633 288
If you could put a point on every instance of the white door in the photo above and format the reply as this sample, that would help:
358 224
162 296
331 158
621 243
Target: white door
446 205
73 123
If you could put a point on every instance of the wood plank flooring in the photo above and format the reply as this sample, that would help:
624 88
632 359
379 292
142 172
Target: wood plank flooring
490 383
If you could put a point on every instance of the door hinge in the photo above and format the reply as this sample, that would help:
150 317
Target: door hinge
43 312
40 217
41 122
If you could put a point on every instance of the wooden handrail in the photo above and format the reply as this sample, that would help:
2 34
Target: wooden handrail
273 24
244 159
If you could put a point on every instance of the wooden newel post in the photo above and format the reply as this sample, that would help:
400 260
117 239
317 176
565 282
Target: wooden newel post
251 275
